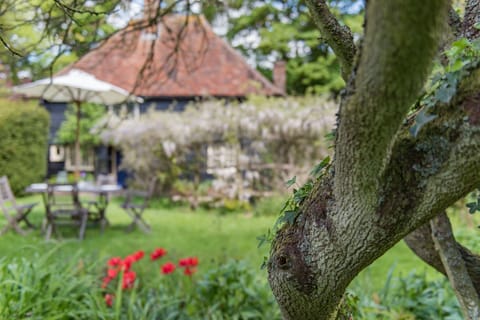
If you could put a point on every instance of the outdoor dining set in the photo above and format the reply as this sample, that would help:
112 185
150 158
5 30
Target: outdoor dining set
63 205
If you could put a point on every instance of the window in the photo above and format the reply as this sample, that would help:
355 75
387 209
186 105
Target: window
86 162
56 153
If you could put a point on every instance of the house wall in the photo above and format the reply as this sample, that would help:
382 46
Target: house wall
57 117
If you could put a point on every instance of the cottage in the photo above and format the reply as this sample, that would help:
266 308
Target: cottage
168 65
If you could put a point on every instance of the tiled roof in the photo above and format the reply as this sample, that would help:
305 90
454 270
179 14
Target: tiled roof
189 63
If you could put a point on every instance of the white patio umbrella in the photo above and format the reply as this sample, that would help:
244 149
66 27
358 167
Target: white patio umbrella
76 86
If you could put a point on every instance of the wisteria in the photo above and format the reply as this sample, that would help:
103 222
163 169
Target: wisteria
259 136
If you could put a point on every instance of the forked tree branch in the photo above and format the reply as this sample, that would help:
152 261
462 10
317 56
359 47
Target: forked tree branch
389 76
339 37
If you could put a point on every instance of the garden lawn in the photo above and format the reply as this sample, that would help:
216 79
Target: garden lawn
212 237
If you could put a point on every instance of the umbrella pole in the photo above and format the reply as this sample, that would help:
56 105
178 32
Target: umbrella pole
77 143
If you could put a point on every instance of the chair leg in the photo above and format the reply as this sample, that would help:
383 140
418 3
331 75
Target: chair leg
142 224
83 225
49 230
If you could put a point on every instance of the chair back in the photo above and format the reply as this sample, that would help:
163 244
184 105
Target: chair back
7 199
141 197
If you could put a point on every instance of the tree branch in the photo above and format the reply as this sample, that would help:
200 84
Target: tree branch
389 76
339 37
454 265
421 243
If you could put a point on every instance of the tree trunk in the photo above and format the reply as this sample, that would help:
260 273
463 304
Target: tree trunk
384 182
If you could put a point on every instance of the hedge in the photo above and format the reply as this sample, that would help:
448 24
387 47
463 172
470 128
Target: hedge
23 142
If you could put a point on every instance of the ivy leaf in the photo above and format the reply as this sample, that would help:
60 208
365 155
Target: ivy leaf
291 182
264 263
477 25
421 119
289 216
317 169
473 207
446 92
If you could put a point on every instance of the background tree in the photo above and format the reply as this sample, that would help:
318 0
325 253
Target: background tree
41 37
266 31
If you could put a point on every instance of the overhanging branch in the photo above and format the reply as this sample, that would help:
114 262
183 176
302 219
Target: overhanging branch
339 37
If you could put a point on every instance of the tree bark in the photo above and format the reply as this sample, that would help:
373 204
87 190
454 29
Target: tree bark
384 183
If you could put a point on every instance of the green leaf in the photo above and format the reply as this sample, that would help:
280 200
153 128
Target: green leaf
290 216
291 182
421 120
445 93
317 169
473 207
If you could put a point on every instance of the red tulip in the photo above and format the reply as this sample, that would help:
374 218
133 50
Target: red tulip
189 271
105 282
128 279
112 273
109 299
115 261
158 253
138 255
168 267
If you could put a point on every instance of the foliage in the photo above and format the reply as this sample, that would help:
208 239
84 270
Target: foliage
284 31
233 291
43 286
410 297
46 286
24 138
90 114
461 56
267 137
45 36
269 205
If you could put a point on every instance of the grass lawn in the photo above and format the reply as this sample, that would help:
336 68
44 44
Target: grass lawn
214 238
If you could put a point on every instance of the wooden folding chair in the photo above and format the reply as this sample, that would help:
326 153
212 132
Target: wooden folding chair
9 205
135 203
64 208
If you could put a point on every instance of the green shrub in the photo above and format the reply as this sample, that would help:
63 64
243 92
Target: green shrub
233 291
23 143
410 297
49 287
269 206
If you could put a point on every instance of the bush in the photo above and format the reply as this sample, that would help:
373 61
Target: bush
23 143
46 287
269 206
410 297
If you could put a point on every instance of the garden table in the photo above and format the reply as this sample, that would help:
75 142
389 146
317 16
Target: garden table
101 191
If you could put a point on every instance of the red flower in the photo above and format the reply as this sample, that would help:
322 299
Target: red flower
184 262
193 261
112 273
109 299
188 262
189 271
158 253
168 267
126 264
138 255
128 279
105 282
115 261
